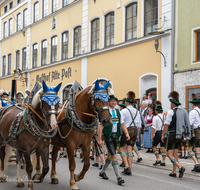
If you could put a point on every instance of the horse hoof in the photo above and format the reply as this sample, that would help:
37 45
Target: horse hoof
76 178
54 181
20 184
3 179
74 187
36 179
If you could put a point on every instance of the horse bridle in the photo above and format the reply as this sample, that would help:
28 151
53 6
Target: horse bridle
96 109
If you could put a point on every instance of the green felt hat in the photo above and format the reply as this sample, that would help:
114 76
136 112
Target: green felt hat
5 93
194 98
128 100
175 102
122 105
159 108
174 97
195 101
113 97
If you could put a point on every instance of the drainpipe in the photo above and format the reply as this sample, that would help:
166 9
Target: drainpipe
173 43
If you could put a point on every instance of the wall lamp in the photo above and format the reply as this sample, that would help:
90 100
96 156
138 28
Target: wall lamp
18 75
156 44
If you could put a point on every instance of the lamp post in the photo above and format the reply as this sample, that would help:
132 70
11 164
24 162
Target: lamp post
156 44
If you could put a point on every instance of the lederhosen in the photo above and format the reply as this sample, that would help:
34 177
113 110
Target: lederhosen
195 141
173 143
132 130
111 139
158 135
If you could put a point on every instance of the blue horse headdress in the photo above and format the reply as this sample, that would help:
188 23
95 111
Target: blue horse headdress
7 103
50 94
100 91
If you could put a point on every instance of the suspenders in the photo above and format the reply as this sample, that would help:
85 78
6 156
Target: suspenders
162 121
132 117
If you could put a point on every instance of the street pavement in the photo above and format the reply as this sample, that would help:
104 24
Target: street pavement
145 176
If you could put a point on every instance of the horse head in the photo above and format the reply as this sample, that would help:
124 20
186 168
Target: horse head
99 101
46 103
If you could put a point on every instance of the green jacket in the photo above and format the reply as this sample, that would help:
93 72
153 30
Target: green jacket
107 131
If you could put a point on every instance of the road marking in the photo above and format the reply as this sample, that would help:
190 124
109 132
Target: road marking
164 181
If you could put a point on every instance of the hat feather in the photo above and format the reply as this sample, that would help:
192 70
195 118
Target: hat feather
194 97
174 95
158 103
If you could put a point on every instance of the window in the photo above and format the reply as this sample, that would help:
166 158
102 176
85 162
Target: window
10 26
54 5
189 90
25 14
95 34
53 49
9 63
4 66
44 53
24 59
45 8
77 41
11 5
65 41
36 12
35 54
65 2
66 92
20 98
4 29
150 16
17 59
18 22
53 23
131 21
18 1
5 9
197 40
109 32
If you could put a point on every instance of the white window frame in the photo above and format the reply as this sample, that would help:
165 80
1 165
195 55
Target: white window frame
5 66
17 22
61 43
33 16
10 64
32 54
9 26
40 64
72 46
50 49
16 57
22 57
4 36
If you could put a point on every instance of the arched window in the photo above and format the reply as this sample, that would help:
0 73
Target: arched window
109 29
54 5
77 41
131 21
25 15
95 34
10 26
18 27
20 97
65 41
65 92
53 49
44 52
4 66
36 12
45 8
9 63
53 23
17 59
35 55
5 30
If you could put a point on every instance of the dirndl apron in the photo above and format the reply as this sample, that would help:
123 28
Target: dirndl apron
147 134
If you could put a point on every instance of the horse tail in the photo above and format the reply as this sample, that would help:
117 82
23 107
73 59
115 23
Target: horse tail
8 151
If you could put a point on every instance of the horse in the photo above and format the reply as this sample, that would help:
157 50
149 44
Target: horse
91 100
28 131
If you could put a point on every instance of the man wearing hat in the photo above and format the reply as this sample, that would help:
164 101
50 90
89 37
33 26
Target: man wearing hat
111 133
194 117
157 127
4 96
130 118
178 125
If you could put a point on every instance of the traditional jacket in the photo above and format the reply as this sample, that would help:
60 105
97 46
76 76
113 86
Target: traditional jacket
107 131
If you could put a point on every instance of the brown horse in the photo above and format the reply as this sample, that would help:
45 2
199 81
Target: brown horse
31 138
77 138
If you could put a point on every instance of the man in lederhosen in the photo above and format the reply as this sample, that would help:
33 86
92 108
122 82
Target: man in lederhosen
130 118
157 127
179 127
111 133
194 117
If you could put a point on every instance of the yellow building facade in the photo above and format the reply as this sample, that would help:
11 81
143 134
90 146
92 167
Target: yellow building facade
68 40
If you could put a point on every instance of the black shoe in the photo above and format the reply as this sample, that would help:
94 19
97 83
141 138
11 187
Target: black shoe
101 166
139 159
172 174
122 164
181 172
196 168
186 157
181 157
91 158
157 162
120 181
95 164
127 171
65 156
74 155
148 151
103 175
162 164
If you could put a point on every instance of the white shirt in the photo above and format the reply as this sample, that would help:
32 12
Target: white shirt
170 114
157 123
194 117
143 111
127 119
114 128
148 101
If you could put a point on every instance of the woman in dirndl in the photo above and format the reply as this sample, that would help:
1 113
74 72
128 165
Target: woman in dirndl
147 133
